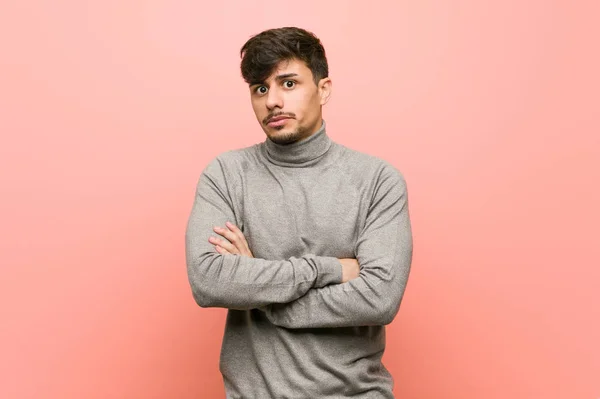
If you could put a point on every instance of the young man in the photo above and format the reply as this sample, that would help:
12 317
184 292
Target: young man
308 243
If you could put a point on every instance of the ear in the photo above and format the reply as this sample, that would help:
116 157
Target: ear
324 88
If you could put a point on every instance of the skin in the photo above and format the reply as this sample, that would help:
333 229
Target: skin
289 91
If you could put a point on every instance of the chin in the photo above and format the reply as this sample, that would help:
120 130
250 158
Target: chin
284 136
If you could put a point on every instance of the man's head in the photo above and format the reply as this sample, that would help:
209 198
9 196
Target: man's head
286 70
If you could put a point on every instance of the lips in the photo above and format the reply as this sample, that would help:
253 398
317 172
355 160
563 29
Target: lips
278 123
277 118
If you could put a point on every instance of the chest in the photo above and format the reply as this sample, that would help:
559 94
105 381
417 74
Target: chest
292 214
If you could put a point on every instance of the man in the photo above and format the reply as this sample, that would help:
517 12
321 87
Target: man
307 242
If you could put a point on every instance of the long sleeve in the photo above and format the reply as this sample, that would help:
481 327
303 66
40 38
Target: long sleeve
384 253
240 282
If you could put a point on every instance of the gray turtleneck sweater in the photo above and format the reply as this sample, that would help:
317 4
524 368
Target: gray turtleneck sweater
293 329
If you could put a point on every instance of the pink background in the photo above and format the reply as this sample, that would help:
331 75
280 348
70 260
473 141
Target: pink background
109 110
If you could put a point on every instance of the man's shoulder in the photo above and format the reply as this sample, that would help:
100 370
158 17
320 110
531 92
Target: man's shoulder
360 162
232 161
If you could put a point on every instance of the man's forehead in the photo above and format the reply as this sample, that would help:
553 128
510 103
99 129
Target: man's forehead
286 69
288 66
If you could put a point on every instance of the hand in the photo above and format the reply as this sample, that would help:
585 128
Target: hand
237 242
350 269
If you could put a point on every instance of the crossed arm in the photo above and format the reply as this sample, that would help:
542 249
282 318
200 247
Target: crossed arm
242 282
236 244
308 291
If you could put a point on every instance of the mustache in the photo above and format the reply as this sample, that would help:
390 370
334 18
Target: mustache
271 116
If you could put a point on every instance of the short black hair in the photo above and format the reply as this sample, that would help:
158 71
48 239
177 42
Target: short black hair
264 51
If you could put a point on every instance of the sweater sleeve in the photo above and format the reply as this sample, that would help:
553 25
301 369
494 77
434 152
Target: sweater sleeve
241 282
384 253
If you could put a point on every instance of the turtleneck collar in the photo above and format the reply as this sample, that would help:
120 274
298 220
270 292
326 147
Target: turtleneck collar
301 153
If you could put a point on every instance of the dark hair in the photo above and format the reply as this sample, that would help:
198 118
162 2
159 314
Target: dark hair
263 52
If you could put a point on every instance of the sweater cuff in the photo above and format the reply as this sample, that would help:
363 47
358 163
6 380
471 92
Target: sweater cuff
329 271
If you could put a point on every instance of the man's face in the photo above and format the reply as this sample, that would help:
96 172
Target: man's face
288 104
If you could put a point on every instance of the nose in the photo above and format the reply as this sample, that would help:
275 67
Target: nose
274 98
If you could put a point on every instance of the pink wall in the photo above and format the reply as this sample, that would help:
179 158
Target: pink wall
110 109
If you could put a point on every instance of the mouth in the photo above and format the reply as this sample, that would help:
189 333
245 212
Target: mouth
278 121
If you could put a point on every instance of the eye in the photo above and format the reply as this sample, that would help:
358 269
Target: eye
288 85
261 89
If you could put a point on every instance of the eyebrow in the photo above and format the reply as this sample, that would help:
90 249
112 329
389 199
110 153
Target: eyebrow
278 77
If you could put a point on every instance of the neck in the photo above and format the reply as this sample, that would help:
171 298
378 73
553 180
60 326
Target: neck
302 153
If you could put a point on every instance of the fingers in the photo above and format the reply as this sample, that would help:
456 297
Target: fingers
221 250
237 242
222 245
230 235
236 230
234 235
